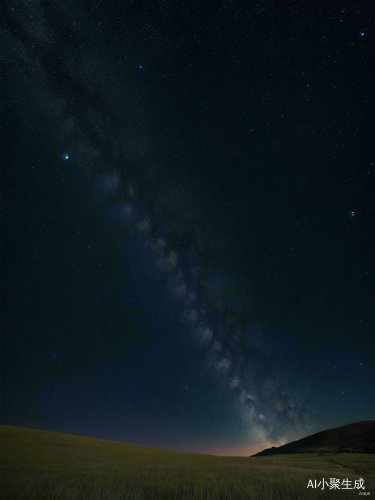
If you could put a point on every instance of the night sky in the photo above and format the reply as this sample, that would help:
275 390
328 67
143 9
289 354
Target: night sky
187 220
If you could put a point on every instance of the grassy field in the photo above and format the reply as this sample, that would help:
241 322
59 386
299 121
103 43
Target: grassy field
40 465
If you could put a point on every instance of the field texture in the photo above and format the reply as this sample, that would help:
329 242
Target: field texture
46 465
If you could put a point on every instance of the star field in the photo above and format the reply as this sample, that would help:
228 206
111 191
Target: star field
187 211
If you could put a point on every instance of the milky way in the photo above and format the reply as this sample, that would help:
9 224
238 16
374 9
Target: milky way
104 126
236 352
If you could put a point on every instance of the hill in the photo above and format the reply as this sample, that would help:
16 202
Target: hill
358 437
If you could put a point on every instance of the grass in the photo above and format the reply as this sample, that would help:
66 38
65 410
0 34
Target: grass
40 465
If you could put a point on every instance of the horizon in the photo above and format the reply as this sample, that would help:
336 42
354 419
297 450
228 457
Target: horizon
213 453
123 442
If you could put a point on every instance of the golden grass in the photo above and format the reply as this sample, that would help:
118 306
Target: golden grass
40 465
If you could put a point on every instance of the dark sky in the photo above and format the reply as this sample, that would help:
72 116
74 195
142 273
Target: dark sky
187 219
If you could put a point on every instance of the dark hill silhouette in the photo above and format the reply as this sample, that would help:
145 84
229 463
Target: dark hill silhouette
358 437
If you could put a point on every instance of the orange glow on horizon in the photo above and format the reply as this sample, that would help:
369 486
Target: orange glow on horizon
237 451
241 451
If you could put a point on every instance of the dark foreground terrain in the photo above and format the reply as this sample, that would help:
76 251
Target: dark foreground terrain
353 438
47 465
